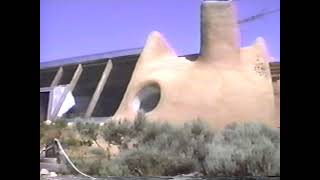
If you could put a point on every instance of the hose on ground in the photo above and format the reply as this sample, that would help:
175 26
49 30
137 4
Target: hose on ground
69 161
42 150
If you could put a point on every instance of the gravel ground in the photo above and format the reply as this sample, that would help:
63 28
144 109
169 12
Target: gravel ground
71 177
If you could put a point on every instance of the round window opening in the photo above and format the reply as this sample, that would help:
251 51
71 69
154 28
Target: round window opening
147 98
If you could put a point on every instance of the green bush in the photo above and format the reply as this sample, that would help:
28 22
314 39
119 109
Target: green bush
98 152
245 150
163 149
147 161
113 168
249 149
140 123
49 132
88 130
88 165
114 132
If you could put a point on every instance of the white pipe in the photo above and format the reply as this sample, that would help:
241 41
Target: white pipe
69 161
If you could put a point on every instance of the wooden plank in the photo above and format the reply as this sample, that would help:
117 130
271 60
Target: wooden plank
99 89
57 77
69 88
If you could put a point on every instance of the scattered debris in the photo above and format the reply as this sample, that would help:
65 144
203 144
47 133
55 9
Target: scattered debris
48 122
70 124
44 172
53 174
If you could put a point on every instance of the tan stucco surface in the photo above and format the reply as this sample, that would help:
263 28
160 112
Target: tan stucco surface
225 84
276 88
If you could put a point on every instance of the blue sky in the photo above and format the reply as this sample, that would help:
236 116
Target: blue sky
70 28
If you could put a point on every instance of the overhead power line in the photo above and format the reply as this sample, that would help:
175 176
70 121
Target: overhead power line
257 16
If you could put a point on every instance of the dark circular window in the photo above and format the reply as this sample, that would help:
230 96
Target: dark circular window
147 98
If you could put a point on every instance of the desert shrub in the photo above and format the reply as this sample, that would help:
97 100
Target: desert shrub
98 152
88 165
149 161
70 142
183 141
140 123
60 124
88 130
113 168
114 132
70 137
49 132
245 150
49 135
249 149
87 159
152 130
163 149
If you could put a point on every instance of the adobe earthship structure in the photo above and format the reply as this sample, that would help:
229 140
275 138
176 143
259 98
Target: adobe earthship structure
222 84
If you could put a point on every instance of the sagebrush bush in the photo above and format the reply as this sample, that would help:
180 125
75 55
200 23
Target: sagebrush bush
249 149
114 132
163 149
113 168
88 165
49 132
81 134
88 130
147 161
98 152
245 150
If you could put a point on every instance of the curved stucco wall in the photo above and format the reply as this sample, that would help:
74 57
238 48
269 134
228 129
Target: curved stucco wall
225 84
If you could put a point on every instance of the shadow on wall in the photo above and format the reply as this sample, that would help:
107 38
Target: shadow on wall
276 87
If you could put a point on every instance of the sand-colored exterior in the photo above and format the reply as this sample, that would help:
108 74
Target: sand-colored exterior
225 84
